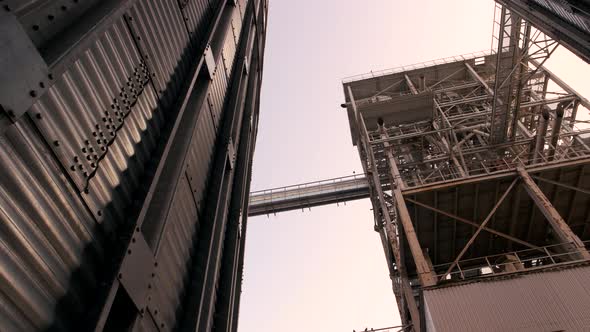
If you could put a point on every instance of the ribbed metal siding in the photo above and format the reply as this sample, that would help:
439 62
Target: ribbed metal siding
190 193
200 155
162 37
101 120
174 251
562 10
197 15
557 300
43 226
217 94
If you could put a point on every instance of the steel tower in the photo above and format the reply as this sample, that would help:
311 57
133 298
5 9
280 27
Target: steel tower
476 166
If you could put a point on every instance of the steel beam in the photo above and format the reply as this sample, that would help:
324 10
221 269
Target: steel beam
388 222
585 191
426 276
472 223
479 229
561 229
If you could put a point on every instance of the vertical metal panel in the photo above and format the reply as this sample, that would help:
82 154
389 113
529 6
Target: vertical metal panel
197 14
101 120
161 36
216 97
555 300
44 228
174 253
200 155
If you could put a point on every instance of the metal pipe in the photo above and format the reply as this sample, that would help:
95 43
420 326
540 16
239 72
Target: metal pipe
422 84
556 129
541 132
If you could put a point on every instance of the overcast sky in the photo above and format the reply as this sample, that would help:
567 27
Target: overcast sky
324 269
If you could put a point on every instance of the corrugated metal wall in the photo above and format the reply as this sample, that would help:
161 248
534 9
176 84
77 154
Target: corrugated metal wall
566 21
120 167
552 300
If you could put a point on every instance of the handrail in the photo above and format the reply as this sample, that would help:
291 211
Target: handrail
425 64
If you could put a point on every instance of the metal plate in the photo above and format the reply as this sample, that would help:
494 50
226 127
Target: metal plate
24 72
137 269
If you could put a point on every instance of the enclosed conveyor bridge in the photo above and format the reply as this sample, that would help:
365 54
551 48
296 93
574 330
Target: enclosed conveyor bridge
307 195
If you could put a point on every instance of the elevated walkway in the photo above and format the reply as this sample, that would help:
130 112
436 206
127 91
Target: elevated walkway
309 194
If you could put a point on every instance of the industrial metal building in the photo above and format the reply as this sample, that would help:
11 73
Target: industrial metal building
127 135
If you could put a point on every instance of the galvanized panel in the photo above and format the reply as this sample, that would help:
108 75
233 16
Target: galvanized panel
174 252
197 14
44 228
217 93
553 300
161 35
200 155
101 120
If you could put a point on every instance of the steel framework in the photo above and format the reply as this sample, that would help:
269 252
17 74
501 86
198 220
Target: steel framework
461 155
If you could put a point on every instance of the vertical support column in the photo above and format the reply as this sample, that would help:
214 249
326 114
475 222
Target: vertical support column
560 227
379 203
425 273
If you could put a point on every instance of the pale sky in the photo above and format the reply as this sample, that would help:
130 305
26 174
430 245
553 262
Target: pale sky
324 269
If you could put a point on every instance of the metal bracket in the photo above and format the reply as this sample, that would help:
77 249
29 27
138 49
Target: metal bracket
137 270
23 78
210 61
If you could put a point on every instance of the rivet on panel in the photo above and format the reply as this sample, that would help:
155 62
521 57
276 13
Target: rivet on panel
56 143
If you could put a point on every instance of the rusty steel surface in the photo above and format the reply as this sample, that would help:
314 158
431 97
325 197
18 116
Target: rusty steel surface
453 146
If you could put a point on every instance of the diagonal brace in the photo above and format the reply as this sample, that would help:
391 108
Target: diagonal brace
585 191
480 228
560 227
474 224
